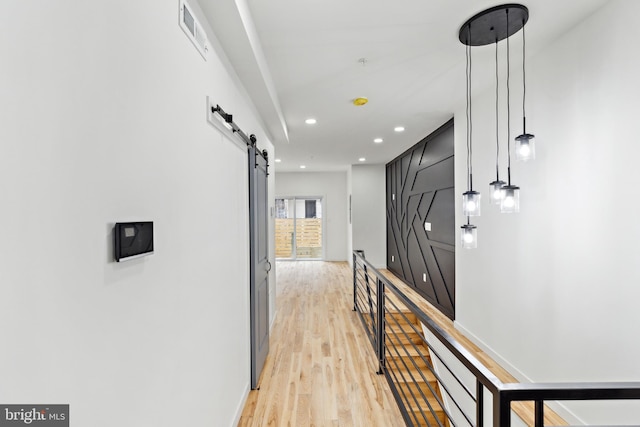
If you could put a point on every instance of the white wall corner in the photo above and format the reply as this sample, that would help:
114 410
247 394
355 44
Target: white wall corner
560 409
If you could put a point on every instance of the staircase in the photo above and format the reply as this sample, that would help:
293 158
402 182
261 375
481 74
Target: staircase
408 365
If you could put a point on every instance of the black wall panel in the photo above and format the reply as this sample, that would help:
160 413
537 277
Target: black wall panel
420 189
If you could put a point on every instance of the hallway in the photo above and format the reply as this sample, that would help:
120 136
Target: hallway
321 367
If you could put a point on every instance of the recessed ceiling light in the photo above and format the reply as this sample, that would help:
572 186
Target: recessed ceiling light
378 140
399 129
311 121
303 167
278 160
362 159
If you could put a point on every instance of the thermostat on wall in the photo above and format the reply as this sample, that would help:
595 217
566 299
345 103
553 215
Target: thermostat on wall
132 240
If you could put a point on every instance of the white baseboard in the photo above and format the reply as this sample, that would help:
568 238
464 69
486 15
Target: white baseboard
560 409
240 407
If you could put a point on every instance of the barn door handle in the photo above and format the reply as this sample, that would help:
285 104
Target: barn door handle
269 266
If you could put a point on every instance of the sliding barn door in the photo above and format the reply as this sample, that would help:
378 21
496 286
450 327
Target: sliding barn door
259 262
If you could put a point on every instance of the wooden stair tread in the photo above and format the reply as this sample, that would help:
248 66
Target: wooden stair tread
416 403
403 314
417 389
395 321
400 325
405 337
431 418
416 374
409 352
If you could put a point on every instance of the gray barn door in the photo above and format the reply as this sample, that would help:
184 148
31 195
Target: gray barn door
260 266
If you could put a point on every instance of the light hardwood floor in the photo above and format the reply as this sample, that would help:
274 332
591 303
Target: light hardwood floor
321 367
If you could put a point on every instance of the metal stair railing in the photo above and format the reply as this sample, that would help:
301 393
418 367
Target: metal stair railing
384 312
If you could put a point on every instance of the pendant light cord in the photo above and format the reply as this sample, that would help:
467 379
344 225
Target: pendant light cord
508 108
466 52
469 121
524 81
497 117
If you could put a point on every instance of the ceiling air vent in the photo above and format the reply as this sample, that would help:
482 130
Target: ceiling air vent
193 29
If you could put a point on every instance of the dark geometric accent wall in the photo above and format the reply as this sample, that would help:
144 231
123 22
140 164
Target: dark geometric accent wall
420 190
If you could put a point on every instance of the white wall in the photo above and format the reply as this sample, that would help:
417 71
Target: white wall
332 187
103 120
554 289
369 225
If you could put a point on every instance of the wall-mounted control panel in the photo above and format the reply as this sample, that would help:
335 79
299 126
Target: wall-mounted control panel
132 240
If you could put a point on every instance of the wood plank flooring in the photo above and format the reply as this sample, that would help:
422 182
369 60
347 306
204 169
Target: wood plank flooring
321 367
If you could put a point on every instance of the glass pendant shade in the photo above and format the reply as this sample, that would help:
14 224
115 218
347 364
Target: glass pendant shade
469 236
496 191
510 199
525 147
471 203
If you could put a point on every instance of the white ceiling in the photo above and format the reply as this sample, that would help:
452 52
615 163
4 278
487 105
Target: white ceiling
300 59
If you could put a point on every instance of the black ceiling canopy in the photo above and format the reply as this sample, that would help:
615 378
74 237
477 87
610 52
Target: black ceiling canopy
490 26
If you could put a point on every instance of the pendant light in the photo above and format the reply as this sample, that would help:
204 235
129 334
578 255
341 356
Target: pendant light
510 202
469 236
490 26
470 198
496 186
525 143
